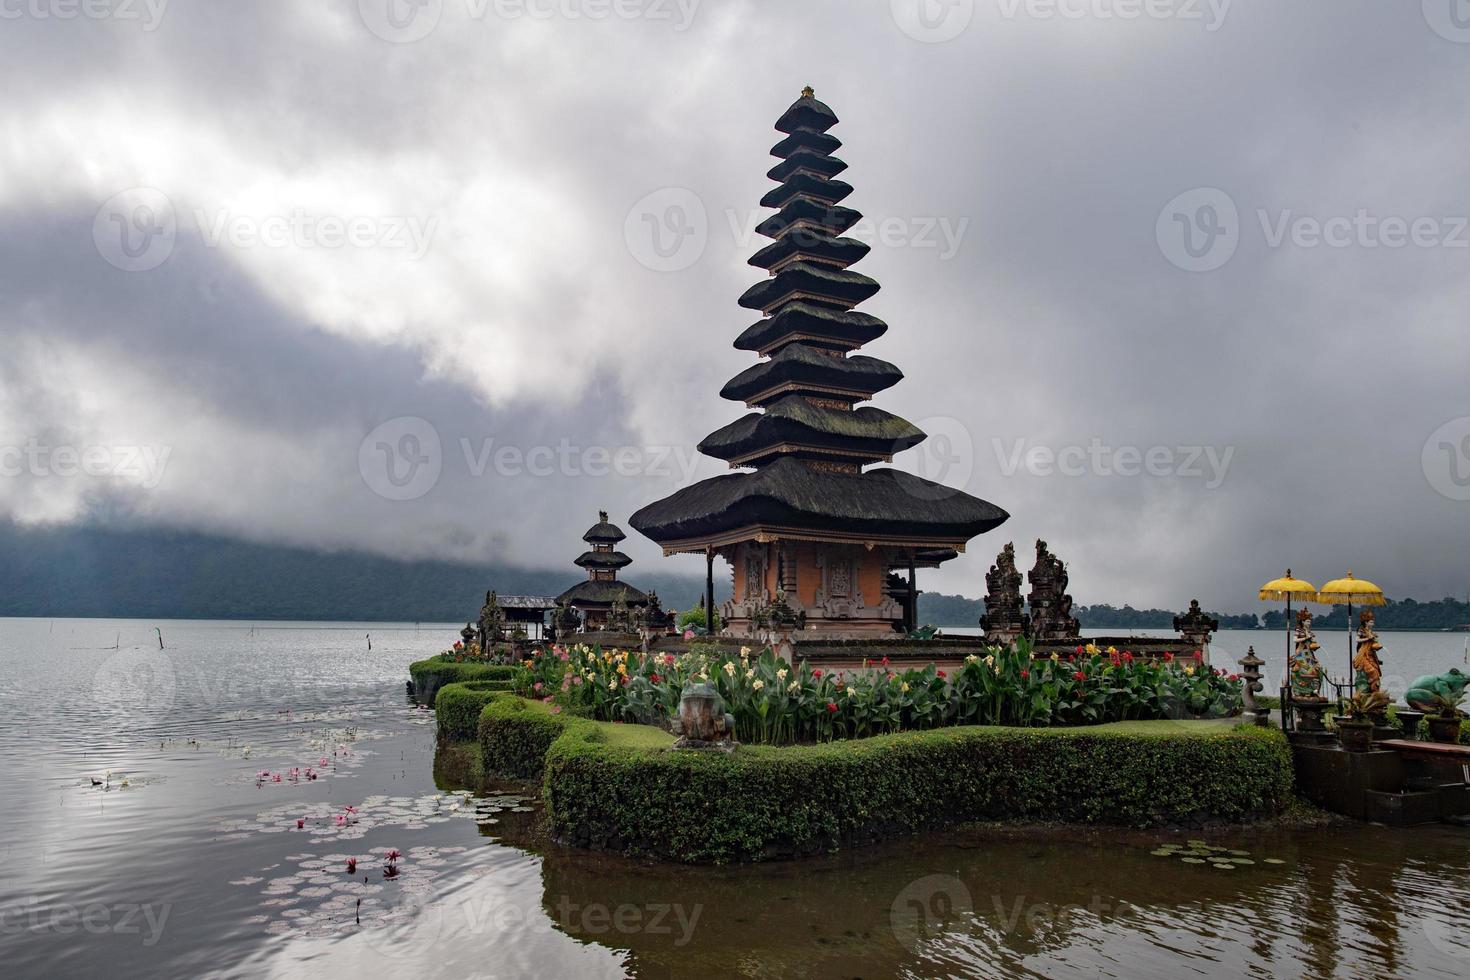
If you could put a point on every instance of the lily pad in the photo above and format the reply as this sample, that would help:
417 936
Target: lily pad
1273 861
1162 853
1223 866
1193 860
1239 853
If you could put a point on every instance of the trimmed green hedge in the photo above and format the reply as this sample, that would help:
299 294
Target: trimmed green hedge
515 734
457 706
432 674
761 802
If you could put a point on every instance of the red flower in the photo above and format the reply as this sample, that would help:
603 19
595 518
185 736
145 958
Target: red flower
1079 676
1234 677
831 708
941 674
1168 656
1079 650
884 661
1025 674
1128 656
817 674
655 678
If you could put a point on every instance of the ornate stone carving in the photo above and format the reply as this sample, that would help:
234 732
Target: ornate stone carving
1194 627
1250 677
1051 607
703 722
1004 620
492 621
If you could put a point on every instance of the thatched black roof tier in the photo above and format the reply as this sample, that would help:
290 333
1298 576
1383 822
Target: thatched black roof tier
594 594
603 559
806 113
806 161
813 282
806 139
603 532
817 189
810 245
787 498
840 329
794 424
802 213
800 368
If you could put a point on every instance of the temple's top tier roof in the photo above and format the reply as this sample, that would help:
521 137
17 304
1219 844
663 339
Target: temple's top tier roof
807 114
603 532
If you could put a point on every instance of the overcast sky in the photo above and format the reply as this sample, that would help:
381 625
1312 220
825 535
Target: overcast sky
1183 291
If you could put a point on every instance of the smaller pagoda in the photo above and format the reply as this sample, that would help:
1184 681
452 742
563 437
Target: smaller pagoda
602 594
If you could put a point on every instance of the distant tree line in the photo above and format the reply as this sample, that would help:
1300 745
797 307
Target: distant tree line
956 610
179 575
1404 614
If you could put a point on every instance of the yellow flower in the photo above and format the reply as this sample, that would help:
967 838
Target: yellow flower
1189 670
623 669
730 667
904 686
1055 658
972 659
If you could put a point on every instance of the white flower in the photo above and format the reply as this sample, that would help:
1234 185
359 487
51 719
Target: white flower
971 659
730 668
612 685
749 673
758 685
744 653
793 687
781 674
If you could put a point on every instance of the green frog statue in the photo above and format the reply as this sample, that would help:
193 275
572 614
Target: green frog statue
1430 692
1304 670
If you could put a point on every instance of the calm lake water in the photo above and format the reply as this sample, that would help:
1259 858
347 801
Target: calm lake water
196 867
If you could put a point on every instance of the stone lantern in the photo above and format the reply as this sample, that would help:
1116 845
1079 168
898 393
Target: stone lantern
703 722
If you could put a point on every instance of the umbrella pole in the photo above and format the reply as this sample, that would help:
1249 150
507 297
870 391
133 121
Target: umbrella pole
1352 681
1288 633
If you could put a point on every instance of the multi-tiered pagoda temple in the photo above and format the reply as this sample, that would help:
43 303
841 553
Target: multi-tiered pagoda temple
597 598
808 520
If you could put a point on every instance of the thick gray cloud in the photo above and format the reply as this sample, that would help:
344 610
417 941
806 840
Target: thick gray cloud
497 176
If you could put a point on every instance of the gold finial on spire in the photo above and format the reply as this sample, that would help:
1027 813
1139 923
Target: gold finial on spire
808 93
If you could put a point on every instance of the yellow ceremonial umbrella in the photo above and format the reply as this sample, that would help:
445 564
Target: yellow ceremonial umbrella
1288 588
1350 591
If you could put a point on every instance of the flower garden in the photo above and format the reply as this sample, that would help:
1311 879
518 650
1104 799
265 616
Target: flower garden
832 758
776 703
